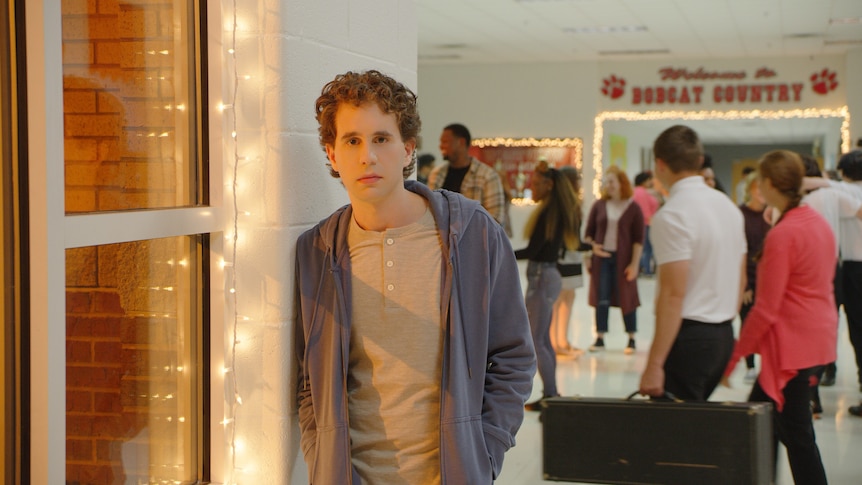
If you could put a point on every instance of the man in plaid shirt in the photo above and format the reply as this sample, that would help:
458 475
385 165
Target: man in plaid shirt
466 175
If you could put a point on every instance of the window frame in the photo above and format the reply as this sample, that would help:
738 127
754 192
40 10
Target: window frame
52 231
15 462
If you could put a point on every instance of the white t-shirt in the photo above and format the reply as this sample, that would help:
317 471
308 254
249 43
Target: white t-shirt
701 225
851 229
614 210
834 205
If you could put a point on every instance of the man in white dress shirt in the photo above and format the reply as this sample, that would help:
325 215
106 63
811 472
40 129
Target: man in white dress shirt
698 240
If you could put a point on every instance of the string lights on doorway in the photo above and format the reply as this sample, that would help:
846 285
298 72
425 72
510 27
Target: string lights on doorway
842 112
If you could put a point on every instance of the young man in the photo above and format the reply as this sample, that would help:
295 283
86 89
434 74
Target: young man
414 348
850 167
698 240
466 175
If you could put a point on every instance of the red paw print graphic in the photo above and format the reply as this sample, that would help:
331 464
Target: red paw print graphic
613 86
824 81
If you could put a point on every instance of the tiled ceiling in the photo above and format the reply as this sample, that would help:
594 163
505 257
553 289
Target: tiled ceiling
453 32
504 31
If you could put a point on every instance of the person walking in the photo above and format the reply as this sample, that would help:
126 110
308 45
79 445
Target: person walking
793 324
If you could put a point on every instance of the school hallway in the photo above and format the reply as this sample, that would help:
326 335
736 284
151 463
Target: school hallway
612 374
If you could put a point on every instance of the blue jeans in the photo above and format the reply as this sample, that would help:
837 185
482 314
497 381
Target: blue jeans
608 285
543 287
646 264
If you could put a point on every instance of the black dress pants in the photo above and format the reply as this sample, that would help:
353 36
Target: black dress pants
852 289
794 428
697 360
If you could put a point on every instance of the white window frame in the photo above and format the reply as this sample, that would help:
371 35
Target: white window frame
51 232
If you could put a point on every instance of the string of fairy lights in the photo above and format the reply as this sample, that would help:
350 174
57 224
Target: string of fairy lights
576 143
231 381
842 112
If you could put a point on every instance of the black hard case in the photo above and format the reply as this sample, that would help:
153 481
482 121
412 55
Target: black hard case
640 441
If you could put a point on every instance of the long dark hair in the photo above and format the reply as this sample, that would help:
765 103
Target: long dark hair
560 208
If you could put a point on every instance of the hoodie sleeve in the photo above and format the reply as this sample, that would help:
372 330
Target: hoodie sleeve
511 361
307 423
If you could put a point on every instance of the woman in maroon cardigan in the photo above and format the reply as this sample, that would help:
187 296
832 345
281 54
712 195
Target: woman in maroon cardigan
615 228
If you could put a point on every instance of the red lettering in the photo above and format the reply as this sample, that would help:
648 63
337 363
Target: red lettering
697 91
797 90
755 94
648 95
783 93
659 95
770 88
716 94
683 96
636 95
671 94
742 92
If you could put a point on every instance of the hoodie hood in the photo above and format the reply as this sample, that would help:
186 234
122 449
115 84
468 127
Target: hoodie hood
450 223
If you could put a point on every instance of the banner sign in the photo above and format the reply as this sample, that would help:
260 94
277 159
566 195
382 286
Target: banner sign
681 87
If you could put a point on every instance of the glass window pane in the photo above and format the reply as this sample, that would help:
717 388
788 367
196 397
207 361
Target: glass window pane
133 343
129 104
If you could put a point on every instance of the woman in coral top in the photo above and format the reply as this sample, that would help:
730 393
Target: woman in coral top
793 324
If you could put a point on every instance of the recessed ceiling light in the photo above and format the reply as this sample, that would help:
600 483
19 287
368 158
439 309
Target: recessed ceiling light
803 35
842 42
634 52
846 20
451 46
439 57
606 29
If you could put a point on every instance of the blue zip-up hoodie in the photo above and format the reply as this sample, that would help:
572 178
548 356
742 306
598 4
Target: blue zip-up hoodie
488 356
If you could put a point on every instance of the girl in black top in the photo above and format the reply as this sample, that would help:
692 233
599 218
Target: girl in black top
552 226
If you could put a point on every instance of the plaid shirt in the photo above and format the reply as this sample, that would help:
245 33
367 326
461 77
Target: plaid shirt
481 183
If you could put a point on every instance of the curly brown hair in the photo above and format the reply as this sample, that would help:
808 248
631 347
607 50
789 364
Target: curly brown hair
370 86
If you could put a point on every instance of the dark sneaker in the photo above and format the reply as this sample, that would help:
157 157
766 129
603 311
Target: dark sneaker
856 410
599 346
630 348
828 379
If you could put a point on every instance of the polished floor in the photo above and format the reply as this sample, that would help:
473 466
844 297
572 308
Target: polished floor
613 374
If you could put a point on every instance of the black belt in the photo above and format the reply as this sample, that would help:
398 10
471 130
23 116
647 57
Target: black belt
686 321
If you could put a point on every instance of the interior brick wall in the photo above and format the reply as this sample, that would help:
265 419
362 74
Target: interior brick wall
118 103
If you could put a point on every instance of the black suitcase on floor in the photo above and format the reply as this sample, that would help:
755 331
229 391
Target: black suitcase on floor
656 442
